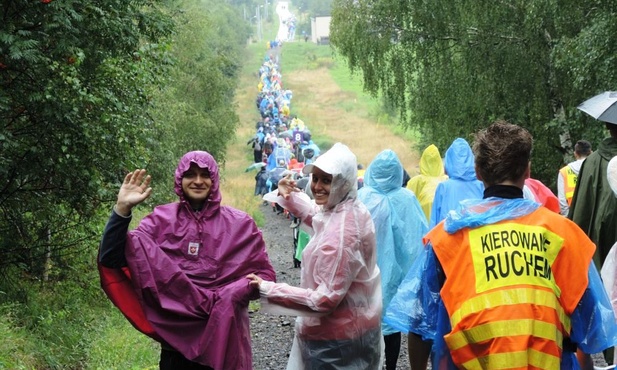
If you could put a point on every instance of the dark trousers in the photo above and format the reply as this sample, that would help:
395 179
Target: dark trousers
361 353
173 360
393 348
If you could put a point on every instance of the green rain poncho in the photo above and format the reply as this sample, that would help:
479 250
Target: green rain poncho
594 206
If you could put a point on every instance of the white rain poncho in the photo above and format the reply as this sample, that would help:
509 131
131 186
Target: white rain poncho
339 298
400 223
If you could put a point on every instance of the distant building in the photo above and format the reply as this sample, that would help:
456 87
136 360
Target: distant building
320 30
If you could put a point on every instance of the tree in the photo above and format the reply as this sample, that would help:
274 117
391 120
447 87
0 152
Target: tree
315 8
451 67
73 82
197 101
90 91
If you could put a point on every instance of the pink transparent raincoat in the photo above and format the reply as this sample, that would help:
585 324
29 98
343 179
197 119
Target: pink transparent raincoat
339 298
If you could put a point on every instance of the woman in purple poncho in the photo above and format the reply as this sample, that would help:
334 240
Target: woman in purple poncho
180 276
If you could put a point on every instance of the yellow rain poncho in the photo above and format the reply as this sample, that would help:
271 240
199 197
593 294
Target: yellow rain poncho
431 174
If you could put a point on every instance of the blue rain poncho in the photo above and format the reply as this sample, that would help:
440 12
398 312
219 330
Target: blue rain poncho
462 182
417 306
399 222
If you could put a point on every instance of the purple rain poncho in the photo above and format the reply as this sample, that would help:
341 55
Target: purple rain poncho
197 299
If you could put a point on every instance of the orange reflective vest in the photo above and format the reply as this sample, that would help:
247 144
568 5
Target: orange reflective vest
511 288
569 182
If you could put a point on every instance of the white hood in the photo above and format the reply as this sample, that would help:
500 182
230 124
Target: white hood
611 174
342 164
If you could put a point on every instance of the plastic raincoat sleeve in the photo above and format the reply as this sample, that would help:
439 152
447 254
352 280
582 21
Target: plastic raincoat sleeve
436 213
299 204
593 321
608 272
337 270
414 307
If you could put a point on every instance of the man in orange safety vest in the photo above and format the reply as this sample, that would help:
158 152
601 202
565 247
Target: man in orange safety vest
504 283
568 174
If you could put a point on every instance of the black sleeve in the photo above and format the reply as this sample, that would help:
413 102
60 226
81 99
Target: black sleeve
111 250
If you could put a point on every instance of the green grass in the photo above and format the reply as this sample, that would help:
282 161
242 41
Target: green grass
301 56
119 346
16 347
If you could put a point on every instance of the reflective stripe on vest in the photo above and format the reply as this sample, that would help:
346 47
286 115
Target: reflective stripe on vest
519 360
569 182
512 309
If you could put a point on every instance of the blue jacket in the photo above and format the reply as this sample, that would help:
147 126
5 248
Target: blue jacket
461 184
399 222
417 307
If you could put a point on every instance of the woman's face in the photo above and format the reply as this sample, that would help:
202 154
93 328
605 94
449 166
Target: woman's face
196 185
321 183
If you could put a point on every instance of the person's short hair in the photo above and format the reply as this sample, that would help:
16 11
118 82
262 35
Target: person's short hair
502 152
582 148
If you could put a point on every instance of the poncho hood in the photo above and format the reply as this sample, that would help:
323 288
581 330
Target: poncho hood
385 173
205 161
341 163
430 162
459 161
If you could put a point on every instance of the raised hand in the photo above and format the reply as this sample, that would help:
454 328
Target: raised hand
287 185
134 190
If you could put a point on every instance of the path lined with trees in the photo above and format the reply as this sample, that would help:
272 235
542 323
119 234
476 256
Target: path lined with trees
89 91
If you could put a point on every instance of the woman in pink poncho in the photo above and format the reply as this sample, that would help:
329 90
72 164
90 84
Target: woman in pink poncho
180 276
339 298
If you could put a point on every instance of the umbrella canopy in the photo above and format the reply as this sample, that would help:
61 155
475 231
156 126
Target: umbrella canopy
602 107
254 166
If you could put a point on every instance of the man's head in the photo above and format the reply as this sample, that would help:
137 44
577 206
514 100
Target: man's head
582 149
502 153
197 179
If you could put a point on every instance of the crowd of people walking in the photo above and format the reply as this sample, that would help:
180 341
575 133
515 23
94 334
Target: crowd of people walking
472 259
474 224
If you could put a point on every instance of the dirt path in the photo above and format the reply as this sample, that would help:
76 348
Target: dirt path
322 104
329 113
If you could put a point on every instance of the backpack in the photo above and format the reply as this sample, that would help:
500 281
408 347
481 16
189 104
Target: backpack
308 153
299 154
